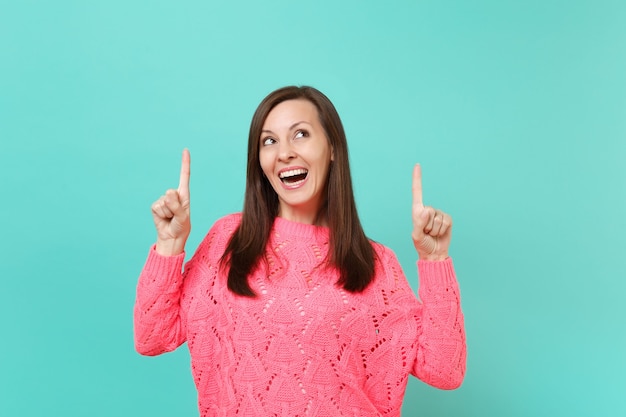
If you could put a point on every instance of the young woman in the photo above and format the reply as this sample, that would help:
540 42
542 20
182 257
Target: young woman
287 308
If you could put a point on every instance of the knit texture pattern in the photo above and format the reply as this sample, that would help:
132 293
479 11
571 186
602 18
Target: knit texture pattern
303 346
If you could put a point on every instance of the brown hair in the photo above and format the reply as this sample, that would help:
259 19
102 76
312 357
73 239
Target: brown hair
350 250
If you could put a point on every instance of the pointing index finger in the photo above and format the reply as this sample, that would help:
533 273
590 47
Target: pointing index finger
185 172
417 185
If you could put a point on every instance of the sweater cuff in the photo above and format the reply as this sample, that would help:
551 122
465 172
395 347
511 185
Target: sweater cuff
165 269
433 274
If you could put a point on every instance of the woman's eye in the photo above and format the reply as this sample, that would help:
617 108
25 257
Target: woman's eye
302 134
268 141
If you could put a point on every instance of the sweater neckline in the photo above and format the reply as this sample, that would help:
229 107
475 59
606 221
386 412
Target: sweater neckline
291 228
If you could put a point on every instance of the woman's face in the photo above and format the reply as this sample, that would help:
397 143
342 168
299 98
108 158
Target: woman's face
295 156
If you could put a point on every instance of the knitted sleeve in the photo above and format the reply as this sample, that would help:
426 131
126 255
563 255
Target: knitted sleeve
441 350
157 305
161 303
156 313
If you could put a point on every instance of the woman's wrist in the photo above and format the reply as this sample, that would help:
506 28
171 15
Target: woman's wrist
170 247
433 257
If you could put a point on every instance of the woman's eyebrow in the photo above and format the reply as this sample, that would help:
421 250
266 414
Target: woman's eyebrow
290 127
297 123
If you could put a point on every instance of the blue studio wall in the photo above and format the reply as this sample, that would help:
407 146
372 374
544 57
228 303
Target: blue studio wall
516 110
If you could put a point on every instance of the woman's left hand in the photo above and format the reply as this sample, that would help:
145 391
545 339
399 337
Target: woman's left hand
432 228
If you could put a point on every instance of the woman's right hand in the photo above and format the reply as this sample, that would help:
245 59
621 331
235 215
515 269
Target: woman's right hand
171 214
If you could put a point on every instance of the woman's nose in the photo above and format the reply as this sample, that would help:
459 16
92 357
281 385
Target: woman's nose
286 152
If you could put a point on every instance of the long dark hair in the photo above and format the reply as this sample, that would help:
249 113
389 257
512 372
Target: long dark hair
350 250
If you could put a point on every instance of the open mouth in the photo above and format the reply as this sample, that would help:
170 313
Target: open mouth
293 176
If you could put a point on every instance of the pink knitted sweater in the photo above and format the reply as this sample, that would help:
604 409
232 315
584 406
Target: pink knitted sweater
303 346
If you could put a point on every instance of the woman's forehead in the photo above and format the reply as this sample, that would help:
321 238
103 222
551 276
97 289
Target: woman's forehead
290 112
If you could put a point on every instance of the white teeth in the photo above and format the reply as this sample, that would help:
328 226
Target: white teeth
292 173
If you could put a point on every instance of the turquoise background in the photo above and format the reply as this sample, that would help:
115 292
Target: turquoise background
517 111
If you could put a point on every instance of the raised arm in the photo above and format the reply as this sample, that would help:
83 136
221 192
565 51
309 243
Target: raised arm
157 318
441 353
